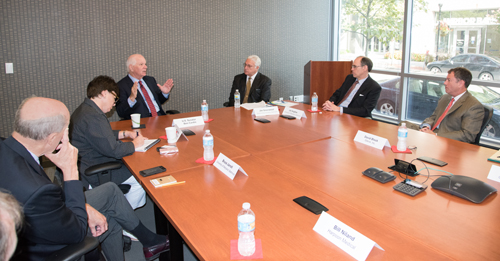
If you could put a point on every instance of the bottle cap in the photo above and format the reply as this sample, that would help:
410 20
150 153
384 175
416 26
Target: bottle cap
207 131
246 205
204 100
403 124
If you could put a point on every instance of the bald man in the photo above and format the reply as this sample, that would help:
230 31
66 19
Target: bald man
140 93
56 217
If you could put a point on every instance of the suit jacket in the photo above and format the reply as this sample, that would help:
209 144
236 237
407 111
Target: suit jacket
260 91
54 217
364 101
462 122
96 142
123 108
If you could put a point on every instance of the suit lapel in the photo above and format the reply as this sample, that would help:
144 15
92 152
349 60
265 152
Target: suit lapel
458 103
361 89
23 152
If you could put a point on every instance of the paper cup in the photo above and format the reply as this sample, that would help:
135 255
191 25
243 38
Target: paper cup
136 120
171 134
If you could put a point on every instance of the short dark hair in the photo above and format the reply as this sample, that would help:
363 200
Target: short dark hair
366 61
463 74
101 83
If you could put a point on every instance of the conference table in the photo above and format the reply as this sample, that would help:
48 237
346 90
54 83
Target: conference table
315 157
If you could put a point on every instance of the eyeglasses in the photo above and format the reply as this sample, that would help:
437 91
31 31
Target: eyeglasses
248 65
116 97
356 66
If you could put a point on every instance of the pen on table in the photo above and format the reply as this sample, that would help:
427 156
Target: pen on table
137 133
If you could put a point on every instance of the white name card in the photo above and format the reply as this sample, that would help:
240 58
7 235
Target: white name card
294 113
371 140
264 111
227 166
188 122
343 236
179 133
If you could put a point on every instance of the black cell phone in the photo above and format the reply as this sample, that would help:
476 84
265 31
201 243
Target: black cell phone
262 120
152 171
310 204
287 117
433 161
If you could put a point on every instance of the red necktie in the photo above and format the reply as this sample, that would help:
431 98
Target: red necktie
348 92
148 100
442 115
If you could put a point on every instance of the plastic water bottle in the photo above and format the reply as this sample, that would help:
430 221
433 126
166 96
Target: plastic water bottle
402 135
236 99
208 146
314 102
204 110
246 227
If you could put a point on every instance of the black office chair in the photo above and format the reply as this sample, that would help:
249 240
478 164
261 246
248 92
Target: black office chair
226 104
172 112
488 113
87 248
103 172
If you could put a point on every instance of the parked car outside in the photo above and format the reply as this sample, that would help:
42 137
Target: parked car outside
481 66
424 96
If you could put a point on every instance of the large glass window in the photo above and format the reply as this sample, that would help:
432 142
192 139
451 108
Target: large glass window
444 34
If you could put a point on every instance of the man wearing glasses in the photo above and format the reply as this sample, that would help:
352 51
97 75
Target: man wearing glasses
97 143
359 93
252 85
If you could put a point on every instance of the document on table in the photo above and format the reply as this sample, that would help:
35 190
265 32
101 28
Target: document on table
147 145
283 103
251 106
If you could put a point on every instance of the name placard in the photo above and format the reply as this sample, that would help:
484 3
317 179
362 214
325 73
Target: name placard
371 140
179 133
294 113
343 236
227 166
264 111
188 122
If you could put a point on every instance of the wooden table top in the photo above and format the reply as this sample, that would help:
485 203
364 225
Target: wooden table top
317 157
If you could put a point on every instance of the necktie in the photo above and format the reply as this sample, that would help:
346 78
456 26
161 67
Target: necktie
148 100
348 93
444 114
247 92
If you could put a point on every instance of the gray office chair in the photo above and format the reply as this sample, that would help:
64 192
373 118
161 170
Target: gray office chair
488 113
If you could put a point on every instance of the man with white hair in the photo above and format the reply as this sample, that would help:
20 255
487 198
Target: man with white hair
140 93
11 217
252 85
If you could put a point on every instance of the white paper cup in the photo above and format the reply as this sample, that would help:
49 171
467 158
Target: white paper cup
136 120
171 134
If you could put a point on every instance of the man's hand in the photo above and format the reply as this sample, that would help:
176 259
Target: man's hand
133 91
66 158
97 221
167 86
426 130
330 106
138 141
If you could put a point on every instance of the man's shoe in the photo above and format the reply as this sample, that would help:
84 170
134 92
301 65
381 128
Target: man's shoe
127 243
154 252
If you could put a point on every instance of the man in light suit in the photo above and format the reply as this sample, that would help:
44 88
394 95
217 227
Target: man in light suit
462 120
56 217
260 89
359 93
140 93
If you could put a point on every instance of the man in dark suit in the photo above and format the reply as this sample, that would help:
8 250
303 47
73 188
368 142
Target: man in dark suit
97 143
252 85
56 217
359 93
458 115
140 93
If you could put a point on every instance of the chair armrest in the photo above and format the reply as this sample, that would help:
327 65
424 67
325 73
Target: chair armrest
75 251
96 169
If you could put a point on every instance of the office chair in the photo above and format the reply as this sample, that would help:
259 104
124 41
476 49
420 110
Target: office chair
103 172
87 248
172 112
226 104
488 113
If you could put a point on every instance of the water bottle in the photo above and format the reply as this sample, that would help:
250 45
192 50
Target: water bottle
402 135
208 146
314 102
204 110
246 227
236 99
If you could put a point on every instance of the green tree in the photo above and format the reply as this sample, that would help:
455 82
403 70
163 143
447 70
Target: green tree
377 18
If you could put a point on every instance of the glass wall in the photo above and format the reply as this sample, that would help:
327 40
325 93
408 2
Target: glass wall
441 35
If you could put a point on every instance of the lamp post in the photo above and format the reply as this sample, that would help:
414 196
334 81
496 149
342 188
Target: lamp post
439 28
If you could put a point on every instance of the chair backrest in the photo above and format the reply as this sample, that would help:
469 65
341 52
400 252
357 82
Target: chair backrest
488 113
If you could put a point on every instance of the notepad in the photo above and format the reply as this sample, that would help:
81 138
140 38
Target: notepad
147 145
163 181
